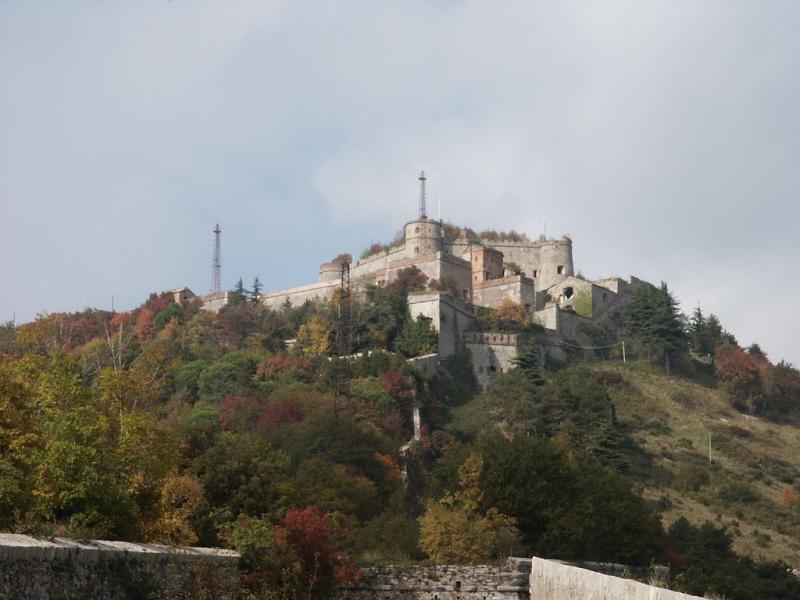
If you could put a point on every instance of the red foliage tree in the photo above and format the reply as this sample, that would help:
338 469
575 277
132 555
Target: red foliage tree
397 385
272 366
743 374
316 543
280 412
241 413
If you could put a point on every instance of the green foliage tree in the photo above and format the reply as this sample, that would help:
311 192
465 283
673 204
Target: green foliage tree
704 563
653 318
568 507
418 337
231 374
255 293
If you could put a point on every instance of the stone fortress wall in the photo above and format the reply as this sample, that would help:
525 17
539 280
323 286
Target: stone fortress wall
517 579
63 569
444 582
539 275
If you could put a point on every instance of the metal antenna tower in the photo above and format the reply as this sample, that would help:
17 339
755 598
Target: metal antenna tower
344 333
423 212
216 265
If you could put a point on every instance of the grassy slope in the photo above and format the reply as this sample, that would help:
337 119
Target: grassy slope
754 460
670 417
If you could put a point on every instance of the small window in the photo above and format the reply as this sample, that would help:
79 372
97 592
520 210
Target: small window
493 369
416 229
416 250
536 273
605 297
465 293
560 269
568 292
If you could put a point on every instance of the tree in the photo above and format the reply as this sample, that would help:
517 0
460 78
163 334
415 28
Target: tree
418 337
315 336
510 316
456 530
181 500
255 294
653 318
302 557
567 506
742 374
231 374
238 294
530 362
18 441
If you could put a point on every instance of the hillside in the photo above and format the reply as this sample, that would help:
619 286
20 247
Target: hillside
752 484
178 425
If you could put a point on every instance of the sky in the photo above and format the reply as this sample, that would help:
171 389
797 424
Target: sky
663 137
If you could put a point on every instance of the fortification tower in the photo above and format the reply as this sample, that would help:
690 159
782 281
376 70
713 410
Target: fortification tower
423 235
555 262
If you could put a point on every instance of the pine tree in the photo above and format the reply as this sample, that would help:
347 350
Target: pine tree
530 361
653 317
255 295
611 445
238 294
697 332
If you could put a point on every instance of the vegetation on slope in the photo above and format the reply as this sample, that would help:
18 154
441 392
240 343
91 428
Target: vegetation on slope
171 424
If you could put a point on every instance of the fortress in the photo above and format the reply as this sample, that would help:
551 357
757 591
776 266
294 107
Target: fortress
467 271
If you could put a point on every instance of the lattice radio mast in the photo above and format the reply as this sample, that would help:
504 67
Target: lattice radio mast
344 333
423 211
216 264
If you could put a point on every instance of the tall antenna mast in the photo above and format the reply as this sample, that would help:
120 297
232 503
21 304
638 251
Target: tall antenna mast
423 212
216 265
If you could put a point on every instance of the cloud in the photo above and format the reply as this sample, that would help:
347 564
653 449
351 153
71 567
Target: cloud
662 136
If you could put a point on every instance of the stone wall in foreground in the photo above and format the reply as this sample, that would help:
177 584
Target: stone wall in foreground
551 580
62 569
444 582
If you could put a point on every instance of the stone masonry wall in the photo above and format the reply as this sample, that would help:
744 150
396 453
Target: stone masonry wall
62 569
516 288
446 582
555 581
492 354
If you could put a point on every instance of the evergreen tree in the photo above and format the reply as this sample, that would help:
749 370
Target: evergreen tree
530 361
653 317
698 333
611 446
255 295
238 294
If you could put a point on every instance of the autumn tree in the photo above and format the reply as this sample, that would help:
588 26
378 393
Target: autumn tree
315 336
456 529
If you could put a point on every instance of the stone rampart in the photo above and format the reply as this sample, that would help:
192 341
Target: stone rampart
62 569
551 580
444 582
299 295
516 288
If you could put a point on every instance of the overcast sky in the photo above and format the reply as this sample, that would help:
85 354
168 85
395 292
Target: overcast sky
664 137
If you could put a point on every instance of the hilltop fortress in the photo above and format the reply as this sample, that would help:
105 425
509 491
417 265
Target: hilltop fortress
467 271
